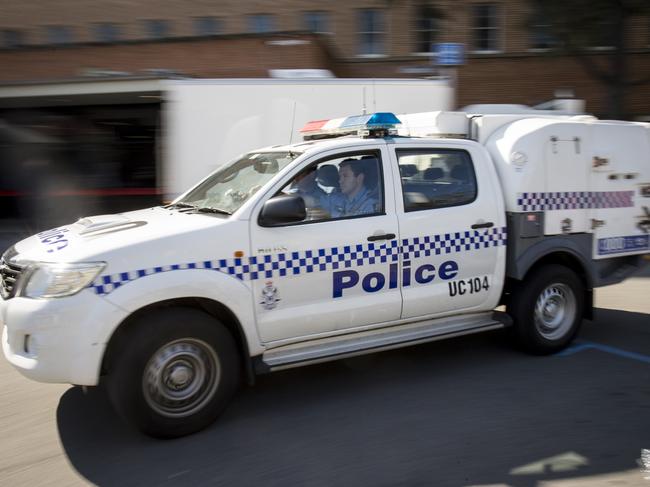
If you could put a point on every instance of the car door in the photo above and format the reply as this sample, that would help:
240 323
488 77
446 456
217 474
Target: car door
452 228
331 272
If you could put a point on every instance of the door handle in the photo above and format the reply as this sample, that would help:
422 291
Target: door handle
387 236
482 225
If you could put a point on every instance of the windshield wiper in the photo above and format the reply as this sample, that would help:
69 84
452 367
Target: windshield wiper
207 209
180 205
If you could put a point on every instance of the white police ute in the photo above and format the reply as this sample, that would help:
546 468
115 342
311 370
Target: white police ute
375 232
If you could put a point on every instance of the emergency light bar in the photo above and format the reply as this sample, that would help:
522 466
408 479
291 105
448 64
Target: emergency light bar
373 125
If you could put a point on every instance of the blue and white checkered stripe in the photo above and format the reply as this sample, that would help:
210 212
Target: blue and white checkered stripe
308 261
108 283
452 242
574 200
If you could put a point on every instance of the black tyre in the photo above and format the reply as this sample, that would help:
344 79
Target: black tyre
547 309
174 372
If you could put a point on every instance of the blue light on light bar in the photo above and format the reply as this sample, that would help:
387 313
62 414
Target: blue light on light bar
373 120
383 118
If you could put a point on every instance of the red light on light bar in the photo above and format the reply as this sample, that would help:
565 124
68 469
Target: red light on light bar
314 125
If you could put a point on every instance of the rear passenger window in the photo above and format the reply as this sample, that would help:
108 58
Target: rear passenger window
436 178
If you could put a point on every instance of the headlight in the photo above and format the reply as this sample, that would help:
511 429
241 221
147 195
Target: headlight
59 280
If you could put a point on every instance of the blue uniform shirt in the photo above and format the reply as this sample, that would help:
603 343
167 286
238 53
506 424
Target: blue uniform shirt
363 203
314 196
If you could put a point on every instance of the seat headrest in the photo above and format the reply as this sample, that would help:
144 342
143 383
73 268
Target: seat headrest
328 176
408 170
433 173
460 173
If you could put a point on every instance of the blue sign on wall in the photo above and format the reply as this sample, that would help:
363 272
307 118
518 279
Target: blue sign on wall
449 54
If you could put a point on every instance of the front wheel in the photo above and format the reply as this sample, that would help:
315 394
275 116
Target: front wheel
547 309
174 373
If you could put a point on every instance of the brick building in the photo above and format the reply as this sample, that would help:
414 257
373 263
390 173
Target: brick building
506 61
78 73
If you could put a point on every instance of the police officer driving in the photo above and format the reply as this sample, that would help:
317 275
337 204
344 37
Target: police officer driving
355 198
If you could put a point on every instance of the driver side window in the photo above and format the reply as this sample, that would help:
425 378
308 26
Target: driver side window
343 186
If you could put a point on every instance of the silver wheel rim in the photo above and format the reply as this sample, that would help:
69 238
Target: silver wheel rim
555 311
181 378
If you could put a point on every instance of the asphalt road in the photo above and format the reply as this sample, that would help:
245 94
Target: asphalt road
470 411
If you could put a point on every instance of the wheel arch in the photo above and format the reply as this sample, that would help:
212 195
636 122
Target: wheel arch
566 257
214 308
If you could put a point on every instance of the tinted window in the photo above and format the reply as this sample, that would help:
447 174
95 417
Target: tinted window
436 178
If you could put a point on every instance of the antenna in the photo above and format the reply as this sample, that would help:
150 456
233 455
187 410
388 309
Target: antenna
374 96
363 109
293 121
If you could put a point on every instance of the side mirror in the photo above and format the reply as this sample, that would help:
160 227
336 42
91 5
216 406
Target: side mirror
283 209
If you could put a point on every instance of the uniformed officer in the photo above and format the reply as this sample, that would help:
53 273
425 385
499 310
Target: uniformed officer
355 197
317 201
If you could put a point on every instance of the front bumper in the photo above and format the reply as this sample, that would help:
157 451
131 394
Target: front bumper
58 340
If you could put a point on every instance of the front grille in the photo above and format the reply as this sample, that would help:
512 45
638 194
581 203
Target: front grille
9 274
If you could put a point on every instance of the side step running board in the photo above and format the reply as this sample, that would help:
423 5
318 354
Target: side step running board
334 348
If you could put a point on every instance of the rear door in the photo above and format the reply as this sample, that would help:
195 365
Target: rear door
620 189
452 228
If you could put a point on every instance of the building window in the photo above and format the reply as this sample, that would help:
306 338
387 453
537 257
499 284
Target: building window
156 28
316 21
59 35
485 27
107 32
603 36
427 25
12 38
371 32
207 26
261 23
541 35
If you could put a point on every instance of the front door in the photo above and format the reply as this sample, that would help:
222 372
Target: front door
332 272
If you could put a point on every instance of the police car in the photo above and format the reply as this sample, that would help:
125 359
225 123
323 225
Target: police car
376 232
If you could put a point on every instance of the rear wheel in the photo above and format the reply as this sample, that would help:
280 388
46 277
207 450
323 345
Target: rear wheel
547 309
174 373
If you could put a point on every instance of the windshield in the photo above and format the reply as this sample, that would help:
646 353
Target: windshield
228 188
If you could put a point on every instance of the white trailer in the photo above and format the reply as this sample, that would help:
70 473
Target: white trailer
207 123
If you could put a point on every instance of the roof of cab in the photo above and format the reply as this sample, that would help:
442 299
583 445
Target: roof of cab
310 145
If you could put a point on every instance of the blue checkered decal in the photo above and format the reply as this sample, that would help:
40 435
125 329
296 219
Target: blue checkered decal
308 261
574 200
452 242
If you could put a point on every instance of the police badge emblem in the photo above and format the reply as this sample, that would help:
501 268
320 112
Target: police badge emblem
270 296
